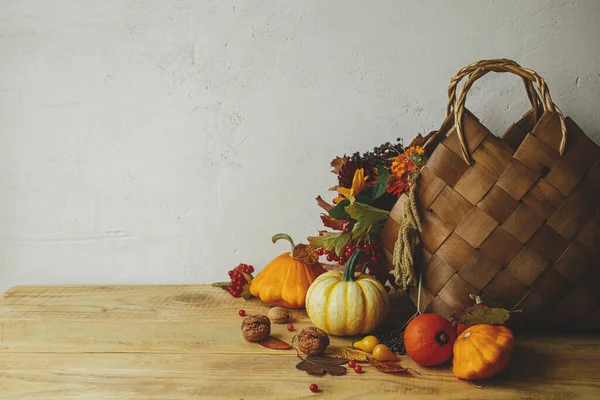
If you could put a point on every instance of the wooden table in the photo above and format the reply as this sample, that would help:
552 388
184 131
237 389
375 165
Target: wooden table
184 342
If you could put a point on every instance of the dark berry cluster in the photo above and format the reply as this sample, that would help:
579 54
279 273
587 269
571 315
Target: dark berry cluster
238 280
392 338
380 154
372 253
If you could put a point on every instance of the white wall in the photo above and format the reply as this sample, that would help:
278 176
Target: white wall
166 141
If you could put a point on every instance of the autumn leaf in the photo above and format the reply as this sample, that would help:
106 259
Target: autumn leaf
275 344
365 217
337 163
321 365
483 315
420 140
350 354
339 211
330 241
323 204
333 223
246 295
387 366
382 181
305 254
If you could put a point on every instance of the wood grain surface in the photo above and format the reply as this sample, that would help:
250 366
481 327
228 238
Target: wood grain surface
184 342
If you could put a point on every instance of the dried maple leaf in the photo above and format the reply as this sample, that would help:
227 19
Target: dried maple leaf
335 224
305 253
321 365
275 344
420 140
246 292
323 204
350 354
387 366
337 163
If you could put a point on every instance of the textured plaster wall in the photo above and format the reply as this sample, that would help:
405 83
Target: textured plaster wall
166 141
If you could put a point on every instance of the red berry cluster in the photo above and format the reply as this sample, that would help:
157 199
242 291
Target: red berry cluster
238 280
372 253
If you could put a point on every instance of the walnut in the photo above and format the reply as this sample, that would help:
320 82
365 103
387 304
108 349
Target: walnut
279 315
312 341
256 328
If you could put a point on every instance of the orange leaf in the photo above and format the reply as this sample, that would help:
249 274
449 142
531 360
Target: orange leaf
335 224
387 366
337 163
323 204
275 344
420 140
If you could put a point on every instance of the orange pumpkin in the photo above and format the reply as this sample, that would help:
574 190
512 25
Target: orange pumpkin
482 351
285 280
428 339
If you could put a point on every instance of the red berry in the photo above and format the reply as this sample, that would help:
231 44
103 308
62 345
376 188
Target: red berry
329 257
366 247
314 388
250 269
343 260
348 253
352 363
320 251
373 260
290 327
358 369
242 313
335 258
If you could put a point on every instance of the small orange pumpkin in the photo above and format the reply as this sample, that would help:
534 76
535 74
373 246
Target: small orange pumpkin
285 280
428 339
482 351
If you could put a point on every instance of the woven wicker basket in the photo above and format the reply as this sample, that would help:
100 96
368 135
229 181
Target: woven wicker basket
514 219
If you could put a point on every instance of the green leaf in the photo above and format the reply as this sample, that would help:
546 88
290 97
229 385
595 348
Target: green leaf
361 198
484 315
330 241
339 211
365 217
382 181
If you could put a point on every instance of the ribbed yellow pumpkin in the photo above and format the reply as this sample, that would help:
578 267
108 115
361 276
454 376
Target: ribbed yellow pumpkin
345 304
285 280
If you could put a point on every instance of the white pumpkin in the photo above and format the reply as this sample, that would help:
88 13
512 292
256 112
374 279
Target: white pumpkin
345 304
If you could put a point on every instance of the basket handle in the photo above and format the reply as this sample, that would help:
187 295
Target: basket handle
534 99
481 68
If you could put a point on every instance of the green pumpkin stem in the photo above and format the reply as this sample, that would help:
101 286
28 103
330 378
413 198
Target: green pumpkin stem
350 265
284 236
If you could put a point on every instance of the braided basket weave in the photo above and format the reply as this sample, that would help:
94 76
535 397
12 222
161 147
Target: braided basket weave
514 219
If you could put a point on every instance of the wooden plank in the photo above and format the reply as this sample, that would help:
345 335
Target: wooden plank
145 303
131 303
197 337
135 337
143 376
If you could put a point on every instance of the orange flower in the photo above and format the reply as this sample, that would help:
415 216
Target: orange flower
414 149
358 184
399 165
402 163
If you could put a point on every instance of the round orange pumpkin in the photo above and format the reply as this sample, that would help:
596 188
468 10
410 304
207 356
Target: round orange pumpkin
482 351
428 339
285 280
